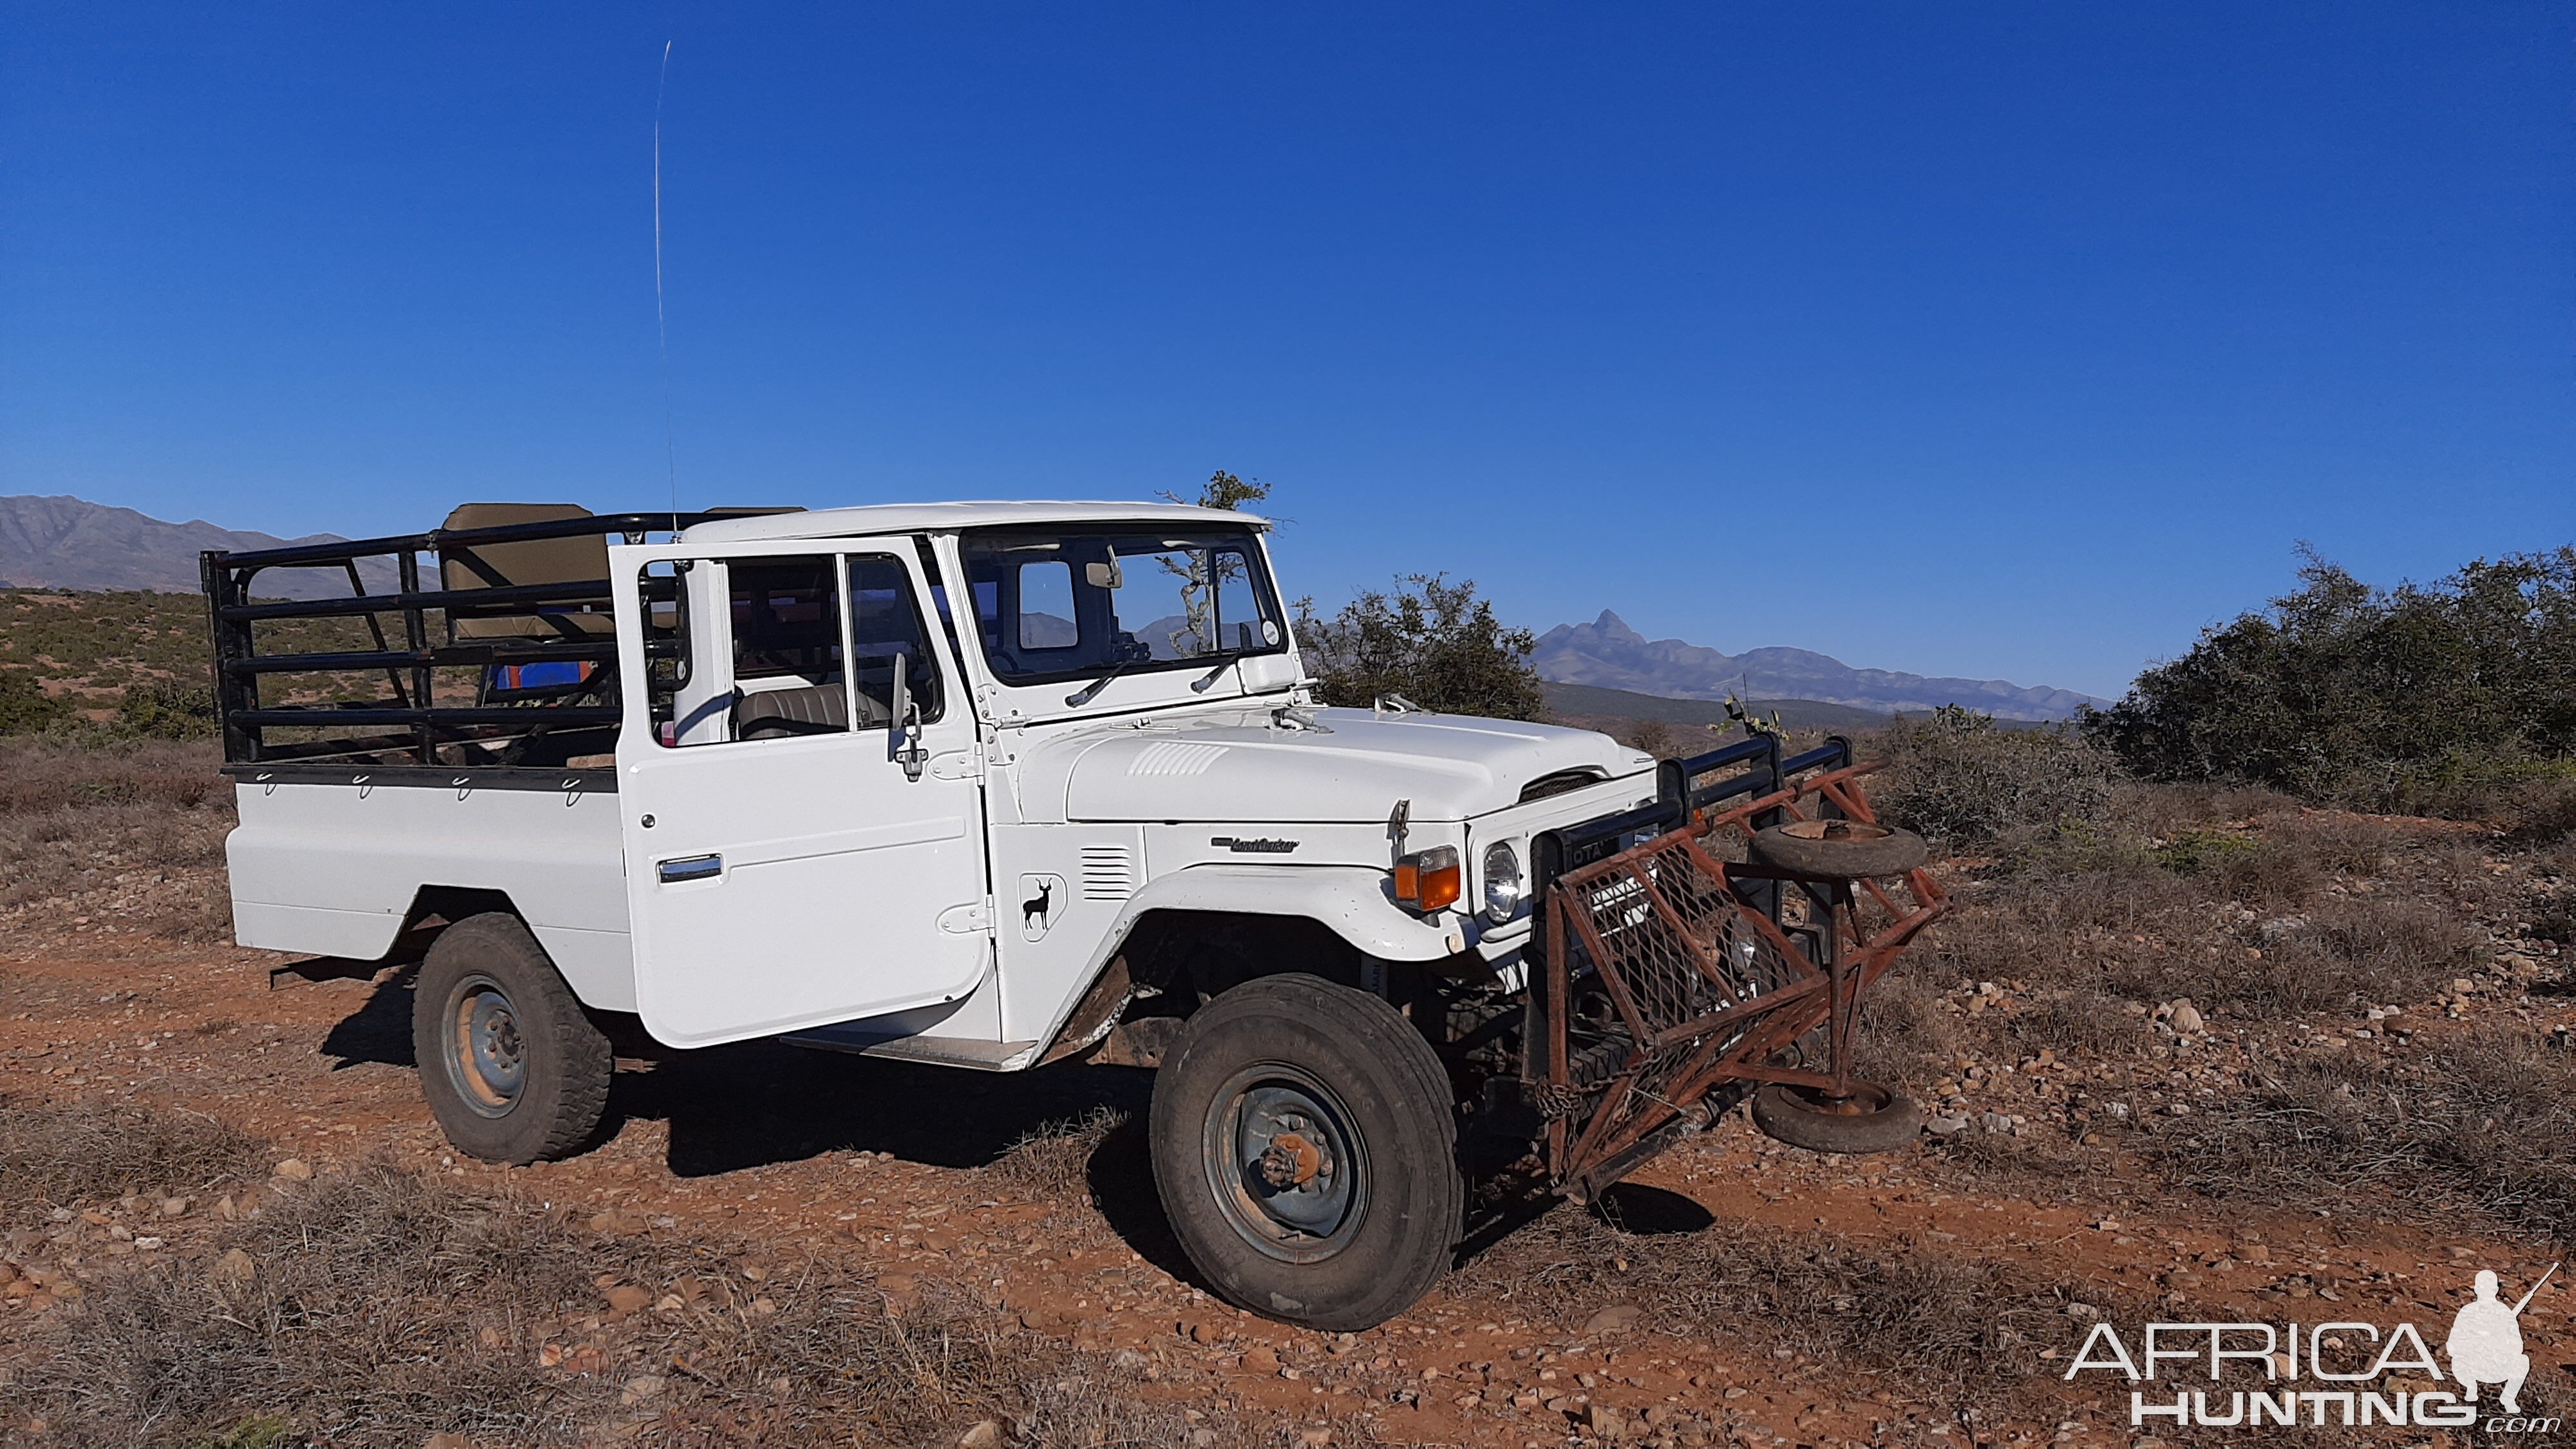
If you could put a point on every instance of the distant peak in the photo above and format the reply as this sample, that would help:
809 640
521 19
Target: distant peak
1616 627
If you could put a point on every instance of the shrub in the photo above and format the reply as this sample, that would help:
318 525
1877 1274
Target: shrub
1432 641
167 709
1956 778
2204 852
2444 697
25 708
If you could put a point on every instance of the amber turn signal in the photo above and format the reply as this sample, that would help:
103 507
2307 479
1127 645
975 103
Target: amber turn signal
1429 880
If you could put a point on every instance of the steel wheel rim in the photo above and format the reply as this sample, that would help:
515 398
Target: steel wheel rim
485 1052
1285 1163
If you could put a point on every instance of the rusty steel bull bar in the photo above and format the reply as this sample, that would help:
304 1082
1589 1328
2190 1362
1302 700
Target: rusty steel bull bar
1713 973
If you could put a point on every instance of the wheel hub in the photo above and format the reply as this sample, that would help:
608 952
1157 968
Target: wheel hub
1290 1161
1285 1164
487 1056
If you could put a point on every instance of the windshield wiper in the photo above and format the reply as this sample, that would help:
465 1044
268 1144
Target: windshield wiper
1084 695
1224 662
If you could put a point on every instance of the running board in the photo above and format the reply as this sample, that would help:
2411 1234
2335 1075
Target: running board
945 1051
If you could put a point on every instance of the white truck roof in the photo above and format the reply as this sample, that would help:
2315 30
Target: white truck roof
884 518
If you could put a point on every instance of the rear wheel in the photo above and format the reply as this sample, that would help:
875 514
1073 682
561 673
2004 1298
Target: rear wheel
513 1068
1306 1152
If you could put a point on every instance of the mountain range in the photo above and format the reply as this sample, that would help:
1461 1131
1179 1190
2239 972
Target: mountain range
1607 654
70 543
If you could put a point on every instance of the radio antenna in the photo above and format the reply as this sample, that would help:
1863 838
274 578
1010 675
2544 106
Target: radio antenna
661 314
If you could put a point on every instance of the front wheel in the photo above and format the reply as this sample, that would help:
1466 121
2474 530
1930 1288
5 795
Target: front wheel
1306 1152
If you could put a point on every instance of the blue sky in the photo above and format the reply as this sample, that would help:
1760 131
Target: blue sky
2000 341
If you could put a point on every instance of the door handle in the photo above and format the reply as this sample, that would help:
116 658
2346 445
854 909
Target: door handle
691 867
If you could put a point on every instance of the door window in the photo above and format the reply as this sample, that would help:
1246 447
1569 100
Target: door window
885 621
786 648
786 619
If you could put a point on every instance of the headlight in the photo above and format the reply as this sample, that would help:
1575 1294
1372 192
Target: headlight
1503 885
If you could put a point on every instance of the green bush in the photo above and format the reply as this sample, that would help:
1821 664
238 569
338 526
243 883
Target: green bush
2205 852
25 708
167 709
1954 777
1432 641
2457 697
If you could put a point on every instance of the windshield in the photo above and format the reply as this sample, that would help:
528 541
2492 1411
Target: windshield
1057 604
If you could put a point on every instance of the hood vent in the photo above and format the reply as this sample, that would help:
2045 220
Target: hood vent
1175 757
1559 783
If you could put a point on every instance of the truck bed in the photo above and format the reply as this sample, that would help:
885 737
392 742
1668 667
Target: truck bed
332 859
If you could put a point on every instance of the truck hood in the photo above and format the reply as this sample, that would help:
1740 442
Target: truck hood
1245 768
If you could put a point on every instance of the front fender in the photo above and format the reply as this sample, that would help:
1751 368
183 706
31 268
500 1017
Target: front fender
1349 900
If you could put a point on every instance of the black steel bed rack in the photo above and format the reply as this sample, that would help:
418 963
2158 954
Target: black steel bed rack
570 614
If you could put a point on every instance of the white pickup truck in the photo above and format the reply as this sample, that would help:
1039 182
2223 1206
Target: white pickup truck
982 784
994 785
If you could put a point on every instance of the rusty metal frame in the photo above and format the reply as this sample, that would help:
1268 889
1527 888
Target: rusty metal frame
1623 917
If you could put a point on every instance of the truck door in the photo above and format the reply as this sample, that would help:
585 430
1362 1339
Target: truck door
798 851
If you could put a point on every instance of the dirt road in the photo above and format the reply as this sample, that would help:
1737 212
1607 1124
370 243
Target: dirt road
1031 1193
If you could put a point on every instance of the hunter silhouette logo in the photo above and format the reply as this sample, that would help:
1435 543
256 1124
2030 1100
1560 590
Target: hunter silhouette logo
2486 1342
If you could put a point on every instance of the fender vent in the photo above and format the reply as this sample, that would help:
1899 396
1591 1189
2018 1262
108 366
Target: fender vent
1108 872
1558 784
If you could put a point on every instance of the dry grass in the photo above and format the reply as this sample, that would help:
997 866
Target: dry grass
2253 918
129 835
1053 1161
53 1156
1947 1331
2485 1121
377 1307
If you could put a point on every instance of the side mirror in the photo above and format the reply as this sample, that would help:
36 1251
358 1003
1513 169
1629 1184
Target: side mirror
1104 575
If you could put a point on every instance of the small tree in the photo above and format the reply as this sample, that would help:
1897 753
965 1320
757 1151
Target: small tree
1432 641
1226 491
1198 589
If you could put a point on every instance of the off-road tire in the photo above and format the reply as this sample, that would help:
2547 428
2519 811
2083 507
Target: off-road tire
563 1061
1392 1126
1868 852
1874 1119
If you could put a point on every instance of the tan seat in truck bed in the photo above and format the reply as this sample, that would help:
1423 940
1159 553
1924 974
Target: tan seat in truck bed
580 559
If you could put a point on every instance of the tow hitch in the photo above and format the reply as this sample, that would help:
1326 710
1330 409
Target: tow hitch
1694 950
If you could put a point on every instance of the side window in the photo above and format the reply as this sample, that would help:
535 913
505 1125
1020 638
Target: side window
1046 606
885 621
